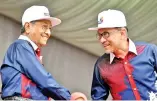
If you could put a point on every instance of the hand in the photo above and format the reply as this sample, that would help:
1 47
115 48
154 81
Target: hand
78 96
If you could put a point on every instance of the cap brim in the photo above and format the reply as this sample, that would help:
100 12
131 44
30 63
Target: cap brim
94 28
54 21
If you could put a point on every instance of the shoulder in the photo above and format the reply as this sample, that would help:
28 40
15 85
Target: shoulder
145 46
104 58
20 44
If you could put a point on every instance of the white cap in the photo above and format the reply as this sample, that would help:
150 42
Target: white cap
110 19
38 13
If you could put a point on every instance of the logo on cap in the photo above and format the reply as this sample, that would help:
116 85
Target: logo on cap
46 14
100 20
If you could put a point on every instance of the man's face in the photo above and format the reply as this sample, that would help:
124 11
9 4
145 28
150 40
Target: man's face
40 31
110 38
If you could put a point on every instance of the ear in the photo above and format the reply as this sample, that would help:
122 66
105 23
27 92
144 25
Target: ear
27 27
124 33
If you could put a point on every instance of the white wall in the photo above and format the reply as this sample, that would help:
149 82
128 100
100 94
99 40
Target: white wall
70 66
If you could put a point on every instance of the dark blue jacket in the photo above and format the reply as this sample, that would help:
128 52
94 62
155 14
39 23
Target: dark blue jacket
23 75
131 78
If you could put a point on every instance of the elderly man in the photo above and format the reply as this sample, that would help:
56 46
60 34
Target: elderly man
23 75
127 69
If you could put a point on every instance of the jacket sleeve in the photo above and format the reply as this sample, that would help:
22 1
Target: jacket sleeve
36 72
99 90
154 49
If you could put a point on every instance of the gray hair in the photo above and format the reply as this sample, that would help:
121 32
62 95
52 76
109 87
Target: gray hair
23 28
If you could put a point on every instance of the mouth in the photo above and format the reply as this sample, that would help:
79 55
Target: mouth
45 36
105 45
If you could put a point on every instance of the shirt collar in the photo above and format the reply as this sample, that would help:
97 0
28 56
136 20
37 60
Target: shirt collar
132 48
23 37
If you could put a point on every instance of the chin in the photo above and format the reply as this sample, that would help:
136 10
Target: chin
107 51
43 44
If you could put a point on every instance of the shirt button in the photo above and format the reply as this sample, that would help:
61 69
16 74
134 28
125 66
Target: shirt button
125 62
129 75
134 89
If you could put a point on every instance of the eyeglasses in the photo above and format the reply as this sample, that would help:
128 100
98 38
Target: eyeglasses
45 28
105 35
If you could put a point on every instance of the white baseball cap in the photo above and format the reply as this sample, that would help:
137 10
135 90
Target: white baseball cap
110 19
38 13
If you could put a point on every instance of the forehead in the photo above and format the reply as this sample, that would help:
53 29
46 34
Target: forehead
47 22
105 30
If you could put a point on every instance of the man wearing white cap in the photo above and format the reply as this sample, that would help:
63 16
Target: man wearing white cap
127 70
23 75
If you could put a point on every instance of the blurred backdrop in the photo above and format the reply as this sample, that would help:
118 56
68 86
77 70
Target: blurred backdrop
72 50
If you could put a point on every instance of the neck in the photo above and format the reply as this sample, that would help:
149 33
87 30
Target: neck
123 51
31 38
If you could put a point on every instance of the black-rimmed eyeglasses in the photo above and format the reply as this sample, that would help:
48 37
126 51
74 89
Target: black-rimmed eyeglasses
104 35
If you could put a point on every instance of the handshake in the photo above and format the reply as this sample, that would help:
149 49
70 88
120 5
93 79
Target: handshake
78 96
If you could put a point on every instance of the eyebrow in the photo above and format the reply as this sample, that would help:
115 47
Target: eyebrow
103 32
47 24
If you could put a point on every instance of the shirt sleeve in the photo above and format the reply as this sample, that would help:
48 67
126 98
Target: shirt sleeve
36 72
99 90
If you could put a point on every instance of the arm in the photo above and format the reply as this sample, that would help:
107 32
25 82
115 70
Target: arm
99 90
154 49
36 72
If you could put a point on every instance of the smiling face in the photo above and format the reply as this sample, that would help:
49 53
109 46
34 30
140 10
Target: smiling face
111 38
39 31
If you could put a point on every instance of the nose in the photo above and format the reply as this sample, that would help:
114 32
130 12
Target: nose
102 40
48 31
